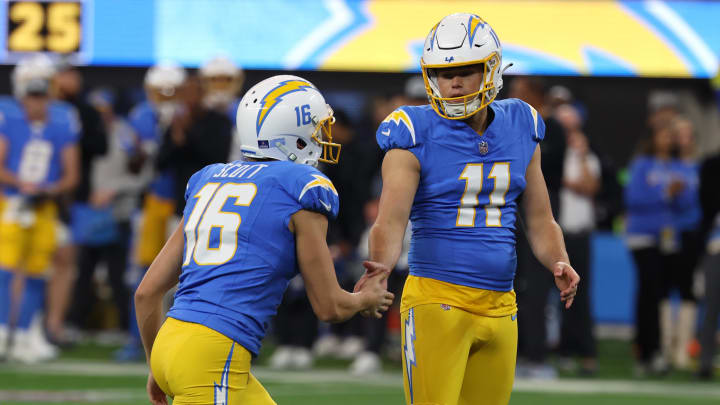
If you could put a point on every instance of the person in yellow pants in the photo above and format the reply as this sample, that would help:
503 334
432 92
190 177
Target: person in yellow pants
456 169
37 164
247 228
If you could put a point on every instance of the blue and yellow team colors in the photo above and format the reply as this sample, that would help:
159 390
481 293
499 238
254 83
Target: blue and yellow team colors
28 224
211 370
159 205
239 258
459 296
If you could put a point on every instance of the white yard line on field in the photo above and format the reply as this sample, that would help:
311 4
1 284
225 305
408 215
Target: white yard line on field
390 380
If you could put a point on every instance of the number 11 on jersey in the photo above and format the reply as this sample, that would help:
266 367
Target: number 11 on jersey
473 176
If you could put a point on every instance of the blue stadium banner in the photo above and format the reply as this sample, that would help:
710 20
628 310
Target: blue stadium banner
594 37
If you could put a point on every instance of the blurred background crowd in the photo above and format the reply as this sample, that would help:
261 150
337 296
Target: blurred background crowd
138 143
631 164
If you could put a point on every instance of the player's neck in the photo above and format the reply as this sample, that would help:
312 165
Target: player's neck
479 122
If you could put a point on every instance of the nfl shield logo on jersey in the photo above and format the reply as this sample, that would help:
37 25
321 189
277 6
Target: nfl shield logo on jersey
483 147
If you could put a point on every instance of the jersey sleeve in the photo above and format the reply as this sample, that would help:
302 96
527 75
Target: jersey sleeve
396 131
315 192
532 120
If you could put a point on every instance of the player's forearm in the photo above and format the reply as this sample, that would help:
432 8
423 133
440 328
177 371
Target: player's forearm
345 305
7 178
547 242
162 275
149 314
66 184
385 242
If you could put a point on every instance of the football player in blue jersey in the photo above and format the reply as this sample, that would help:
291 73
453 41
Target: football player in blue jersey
247 227
456 168
38 162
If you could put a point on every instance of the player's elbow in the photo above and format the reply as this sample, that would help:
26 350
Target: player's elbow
143 295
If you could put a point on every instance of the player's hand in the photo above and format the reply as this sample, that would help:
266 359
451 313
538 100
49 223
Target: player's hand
29 189
101 198
371 269
156 395
566 280
376 287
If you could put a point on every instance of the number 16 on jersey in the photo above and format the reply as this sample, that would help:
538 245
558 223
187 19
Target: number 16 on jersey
473 177
208 214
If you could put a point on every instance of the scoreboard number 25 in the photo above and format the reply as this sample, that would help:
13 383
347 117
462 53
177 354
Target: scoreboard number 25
51 26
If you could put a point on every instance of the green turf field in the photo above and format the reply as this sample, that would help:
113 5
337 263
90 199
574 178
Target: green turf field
85 376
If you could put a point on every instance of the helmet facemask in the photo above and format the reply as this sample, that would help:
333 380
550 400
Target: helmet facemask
323 130
462 107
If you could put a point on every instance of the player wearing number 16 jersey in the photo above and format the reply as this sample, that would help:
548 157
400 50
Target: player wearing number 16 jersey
456 169
247 226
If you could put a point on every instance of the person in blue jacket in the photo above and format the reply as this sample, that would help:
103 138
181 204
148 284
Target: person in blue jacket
678 331
652 190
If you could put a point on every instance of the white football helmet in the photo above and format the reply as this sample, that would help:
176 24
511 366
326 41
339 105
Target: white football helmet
162 82
32 74
286 118
462 39
222 80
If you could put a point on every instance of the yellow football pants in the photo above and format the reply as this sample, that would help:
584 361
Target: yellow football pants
454 357
194 364
27 237
153 228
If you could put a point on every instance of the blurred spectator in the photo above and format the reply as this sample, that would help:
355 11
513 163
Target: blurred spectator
415 92
677 332
105 219
196 138
67 86
532 284
38 164
710 202
557 96
222 80
649 196
352 180
663 108
149 120
581 183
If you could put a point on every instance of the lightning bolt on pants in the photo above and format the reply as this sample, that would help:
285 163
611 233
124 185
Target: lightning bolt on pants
454 357
197 365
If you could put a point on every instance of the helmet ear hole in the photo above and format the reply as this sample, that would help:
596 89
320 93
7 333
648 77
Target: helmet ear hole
301 144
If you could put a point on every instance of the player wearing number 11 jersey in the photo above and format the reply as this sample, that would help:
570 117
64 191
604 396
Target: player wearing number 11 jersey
247 228
456 169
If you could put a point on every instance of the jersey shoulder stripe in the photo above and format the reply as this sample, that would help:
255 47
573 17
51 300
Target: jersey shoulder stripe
318 181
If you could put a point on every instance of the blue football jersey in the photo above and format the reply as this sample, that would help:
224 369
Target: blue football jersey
687 211
463 215
144 121
34 150
239 253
